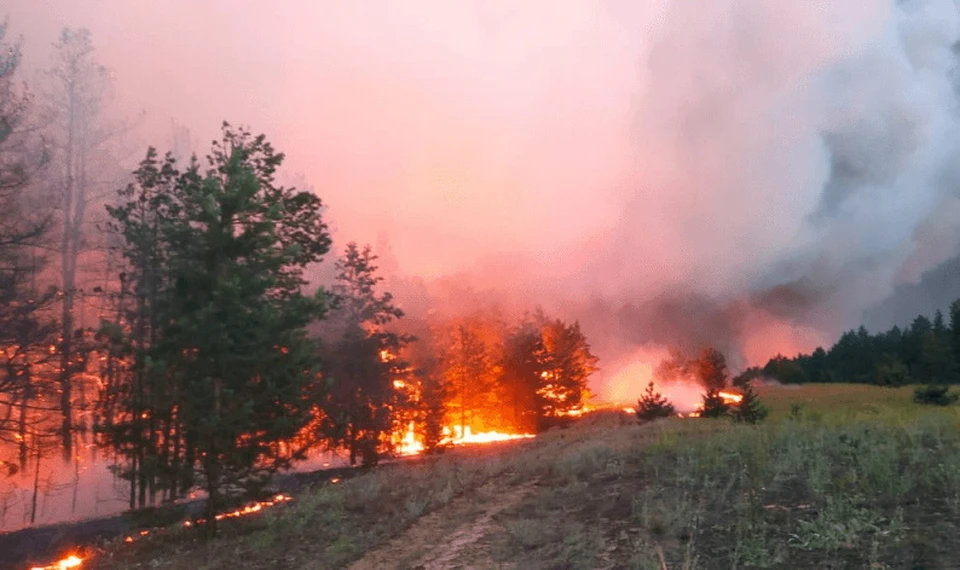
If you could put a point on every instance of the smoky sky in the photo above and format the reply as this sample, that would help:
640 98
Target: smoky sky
749 174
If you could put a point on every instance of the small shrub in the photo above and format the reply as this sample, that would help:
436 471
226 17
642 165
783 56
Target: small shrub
796 411
714 406
653 405
750 410
935 395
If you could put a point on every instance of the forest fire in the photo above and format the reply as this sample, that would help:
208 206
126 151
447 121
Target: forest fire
247 510
729 398
452 436
77 397
71 561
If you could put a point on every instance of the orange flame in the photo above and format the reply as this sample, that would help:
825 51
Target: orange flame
72 561
452 435
483 437
730 398
254 508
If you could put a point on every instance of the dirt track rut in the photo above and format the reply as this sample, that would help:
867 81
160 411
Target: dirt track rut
448 538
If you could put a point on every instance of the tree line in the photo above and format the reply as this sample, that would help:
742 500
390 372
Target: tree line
925 352
163 319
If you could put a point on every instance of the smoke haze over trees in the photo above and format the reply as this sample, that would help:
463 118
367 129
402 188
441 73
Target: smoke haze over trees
927 351
784 168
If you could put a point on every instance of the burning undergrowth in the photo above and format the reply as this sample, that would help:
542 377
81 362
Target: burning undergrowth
686 382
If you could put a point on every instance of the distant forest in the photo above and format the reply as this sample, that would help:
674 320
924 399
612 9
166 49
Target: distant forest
926 352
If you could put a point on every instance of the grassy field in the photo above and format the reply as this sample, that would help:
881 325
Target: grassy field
838 477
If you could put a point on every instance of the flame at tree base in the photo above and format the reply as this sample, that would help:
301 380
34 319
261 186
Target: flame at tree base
410 445
730 398
72 561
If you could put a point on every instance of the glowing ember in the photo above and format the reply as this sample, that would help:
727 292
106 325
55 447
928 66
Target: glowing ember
71 561
254 508
247 510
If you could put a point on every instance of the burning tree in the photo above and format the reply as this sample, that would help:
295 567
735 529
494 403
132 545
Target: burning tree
78 84
367 399
567 364
523 374
711 369
228 367
469 358
545 371
432 412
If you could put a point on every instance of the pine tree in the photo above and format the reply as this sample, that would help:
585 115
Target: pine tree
713 405
653 405
140 221
954 332
749 409
711 369
366 403
891 371
239 372
937 365
521 375
567 365
432 409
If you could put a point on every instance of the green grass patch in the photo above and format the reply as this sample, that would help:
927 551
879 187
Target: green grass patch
859 477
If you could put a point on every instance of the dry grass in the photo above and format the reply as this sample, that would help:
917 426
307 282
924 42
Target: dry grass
855 477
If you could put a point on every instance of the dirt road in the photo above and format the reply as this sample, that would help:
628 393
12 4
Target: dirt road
452 537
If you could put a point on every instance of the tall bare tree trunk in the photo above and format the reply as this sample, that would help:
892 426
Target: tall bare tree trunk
23 421
36 487
67 265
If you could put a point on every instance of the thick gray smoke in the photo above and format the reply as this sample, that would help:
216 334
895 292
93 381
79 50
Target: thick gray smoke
744 173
